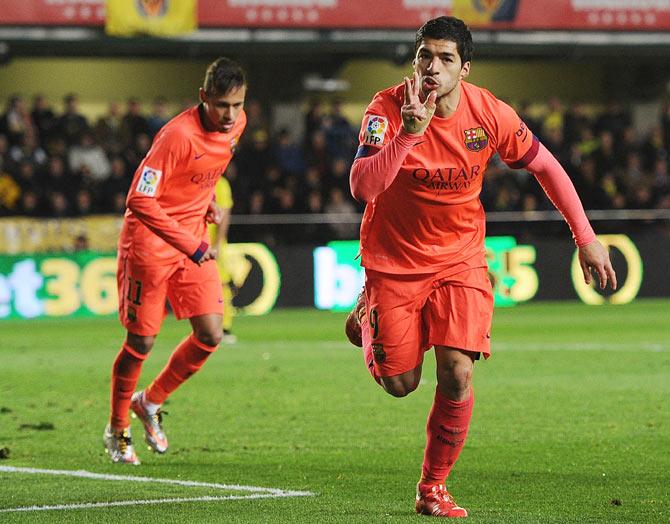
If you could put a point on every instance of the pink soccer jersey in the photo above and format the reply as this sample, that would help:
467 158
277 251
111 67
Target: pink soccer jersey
173 187
430 218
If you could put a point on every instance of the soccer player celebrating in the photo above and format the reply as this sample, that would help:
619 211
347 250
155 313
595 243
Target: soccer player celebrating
164 254
424 147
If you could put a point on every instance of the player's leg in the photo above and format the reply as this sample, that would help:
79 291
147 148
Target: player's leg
195 293
142 295
187 358
391 330
459 316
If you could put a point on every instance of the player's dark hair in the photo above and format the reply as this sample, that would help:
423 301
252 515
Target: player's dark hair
447 28
222 76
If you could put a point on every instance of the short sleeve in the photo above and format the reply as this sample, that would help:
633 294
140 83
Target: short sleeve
517 145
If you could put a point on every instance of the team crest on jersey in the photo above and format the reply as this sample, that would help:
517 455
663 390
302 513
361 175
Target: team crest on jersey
378 353
476 139
149 181
375 130
233 145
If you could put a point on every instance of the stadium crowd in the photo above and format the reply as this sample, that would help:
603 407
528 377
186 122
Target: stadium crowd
60 165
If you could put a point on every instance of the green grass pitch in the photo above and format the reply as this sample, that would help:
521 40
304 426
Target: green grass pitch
571 423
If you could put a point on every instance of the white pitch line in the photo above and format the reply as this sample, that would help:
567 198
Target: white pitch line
257 492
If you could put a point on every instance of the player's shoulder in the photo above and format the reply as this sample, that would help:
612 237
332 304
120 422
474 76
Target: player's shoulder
181 127
487 106
387 103
480 96
393 95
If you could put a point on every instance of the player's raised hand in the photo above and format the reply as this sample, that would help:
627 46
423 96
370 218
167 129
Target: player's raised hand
595 257
416 115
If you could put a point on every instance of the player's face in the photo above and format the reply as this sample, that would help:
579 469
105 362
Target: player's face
221 111
439 66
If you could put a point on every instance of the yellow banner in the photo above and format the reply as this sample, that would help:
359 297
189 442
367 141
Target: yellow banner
58 235
483 12
151 17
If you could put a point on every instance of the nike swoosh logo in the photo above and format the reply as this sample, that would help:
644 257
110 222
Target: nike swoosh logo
199 156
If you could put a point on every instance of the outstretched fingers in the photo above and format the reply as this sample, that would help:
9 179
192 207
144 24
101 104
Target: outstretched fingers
408 91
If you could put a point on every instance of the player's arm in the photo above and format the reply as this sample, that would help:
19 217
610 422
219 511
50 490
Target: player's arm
374 170
561 191
142 200
519 148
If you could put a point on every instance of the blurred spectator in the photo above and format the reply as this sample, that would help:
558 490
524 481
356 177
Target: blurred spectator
256 120
554 117
653 148
606 155
115 188
613 119
318 233
660 176
338 174
314 120
288 154
337 204
43 117
133 123
72 124
134 154
576 118
341 138
4 151
81 243
58 205
30 204
159 115
83 204
108 129
665 124
10 193
254 158
27 178
58 178
16 121
257 203
90 154
317 154
28 149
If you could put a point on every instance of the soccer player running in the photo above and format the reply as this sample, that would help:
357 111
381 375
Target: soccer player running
164 254
424 147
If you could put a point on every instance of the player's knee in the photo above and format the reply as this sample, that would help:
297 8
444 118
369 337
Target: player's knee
210 337
455 380
141 344
399 388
